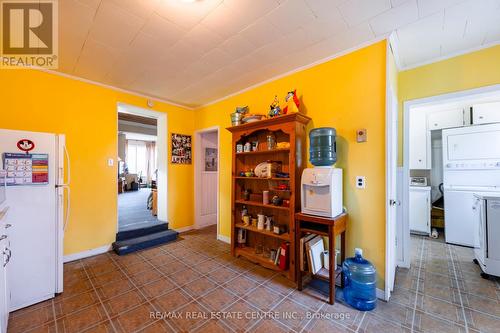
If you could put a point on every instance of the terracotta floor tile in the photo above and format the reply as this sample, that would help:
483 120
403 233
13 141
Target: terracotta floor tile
222 275
207 266
29 319
161 259
309 297
281 285
428 323
263 298
98 269
213 326
76 287
135 319
105 278
325 325
241 285
146 277
194 259
199 287
299 318
171 300
373 324
151 253
158 327
185 276
114 289
268 326
242 318
198 262
83 319
124 302
104 327
138 267
218 299
260 274
343 314
127 260
172 267
192 316
69 305
158 287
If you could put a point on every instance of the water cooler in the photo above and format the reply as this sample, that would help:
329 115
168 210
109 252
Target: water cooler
321 186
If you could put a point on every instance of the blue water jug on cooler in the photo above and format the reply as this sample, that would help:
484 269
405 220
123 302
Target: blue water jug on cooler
323 146
360 282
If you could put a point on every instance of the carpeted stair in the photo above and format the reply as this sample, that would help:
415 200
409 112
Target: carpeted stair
144 238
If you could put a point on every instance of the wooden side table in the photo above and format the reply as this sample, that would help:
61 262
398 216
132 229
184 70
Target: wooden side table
323 226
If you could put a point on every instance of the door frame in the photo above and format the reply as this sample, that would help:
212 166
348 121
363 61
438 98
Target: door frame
407 107
391 115
162 158
198 156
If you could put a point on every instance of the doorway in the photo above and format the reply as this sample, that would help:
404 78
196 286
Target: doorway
437 207
141 168
206 157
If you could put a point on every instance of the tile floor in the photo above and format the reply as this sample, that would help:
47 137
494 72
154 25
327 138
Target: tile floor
210 291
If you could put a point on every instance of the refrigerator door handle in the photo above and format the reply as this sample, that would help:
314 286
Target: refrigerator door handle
66 215
66 153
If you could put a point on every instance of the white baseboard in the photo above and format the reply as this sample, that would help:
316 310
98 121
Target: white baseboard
184 229
224 239
86 254
381 294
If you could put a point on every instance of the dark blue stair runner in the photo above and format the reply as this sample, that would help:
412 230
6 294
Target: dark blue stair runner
140 239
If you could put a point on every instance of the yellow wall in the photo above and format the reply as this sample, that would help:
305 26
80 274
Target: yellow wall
37 101
347 93
469 71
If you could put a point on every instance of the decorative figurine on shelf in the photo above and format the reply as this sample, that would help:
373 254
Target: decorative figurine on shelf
274 108
277 201
246 194
292 102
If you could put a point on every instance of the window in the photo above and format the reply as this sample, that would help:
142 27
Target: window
137 157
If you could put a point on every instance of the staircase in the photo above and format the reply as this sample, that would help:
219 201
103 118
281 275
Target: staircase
139 239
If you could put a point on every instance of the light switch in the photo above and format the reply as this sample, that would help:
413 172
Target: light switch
111 162
360 182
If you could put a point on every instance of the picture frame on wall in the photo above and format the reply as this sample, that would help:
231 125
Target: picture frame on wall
181 149
211 159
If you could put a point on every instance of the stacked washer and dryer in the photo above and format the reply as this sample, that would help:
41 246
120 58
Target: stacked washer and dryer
471 164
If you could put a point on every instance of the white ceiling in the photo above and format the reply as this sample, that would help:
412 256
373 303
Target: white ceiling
194 53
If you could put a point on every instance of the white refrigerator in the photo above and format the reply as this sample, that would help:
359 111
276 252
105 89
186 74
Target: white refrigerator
471 164
38 200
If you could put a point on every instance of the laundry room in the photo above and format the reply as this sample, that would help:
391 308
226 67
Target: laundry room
453 146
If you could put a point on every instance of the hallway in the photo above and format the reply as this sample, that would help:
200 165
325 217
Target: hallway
133 212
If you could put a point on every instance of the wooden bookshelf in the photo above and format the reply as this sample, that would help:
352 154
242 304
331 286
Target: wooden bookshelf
288 128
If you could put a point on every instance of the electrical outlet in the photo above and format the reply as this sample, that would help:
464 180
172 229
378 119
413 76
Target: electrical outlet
111 162
360 182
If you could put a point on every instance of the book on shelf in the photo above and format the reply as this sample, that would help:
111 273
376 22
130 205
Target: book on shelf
302 252
314 249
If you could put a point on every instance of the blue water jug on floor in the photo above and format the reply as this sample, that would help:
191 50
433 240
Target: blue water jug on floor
360 282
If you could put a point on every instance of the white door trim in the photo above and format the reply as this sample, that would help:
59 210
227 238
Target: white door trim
197 169
407 106
162 145
390 114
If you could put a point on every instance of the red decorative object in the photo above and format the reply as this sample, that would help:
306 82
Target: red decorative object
285 247
25 145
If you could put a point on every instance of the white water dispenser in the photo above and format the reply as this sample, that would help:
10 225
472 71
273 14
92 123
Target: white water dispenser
321 186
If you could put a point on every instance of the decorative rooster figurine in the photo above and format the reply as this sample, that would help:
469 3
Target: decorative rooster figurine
292 102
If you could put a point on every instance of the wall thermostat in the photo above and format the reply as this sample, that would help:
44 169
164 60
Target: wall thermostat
361 135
